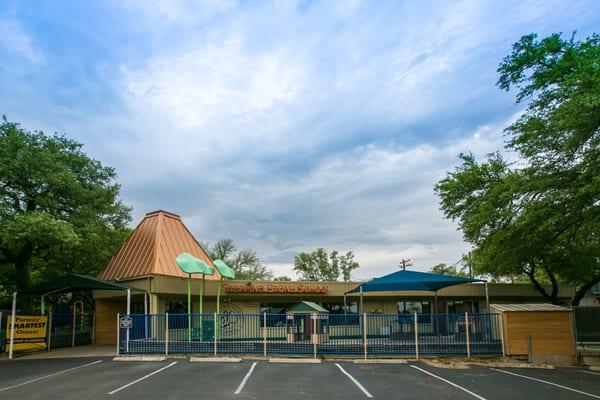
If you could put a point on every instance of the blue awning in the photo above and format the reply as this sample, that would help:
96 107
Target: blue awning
412 281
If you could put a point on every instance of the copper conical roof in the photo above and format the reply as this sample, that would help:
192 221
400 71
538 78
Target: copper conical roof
152 247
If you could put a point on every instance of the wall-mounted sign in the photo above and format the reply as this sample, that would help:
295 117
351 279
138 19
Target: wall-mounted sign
30 332
275 288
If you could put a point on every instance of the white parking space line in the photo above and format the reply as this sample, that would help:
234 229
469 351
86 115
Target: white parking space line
589 372
449 383
246 377
548 383
142 378
51 375
357 383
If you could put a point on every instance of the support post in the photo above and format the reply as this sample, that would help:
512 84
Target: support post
314 334
167 334
365 334
265 334
467 335
200 309
501 317
215 334
43 306
93 332
118 334
146 315
362 310
49 345
129 315
416 336
13 317
487 298
189 307
74 323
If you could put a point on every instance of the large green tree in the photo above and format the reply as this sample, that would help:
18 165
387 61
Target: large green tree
539 216
59 209
322 266
246 264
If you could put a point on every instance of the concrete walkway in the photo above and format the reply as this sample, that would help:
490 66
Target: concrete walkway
91 350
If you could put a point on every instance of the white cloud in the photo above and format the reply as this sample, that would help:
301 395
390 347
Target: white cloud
14 38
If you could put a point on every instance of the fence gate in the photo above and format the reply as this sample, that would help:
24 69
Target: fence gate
310 334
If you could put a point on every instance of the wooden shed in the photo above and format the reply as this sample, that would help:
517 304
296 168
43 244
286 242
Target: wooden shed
543 332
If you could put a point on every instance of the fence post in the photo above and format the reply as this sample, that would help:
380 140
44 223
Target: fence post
215 335
118 334
314 334
93 333
264 334
501 318
73 330
49 345
365 334
12 325
416 336
467 335
167 334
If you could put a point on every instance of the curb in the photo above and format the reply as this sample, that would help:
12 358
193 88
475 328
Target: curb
295 360
216 359
380 361
139 358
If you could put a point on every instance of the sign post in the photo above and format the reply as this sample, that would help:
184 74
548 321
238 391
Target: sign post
126 322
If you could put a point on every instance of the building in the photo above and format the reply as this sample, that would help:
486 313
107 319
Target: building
146 261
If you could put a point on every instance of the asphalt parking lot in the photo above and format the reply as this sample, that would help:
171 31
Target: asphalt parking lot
180 379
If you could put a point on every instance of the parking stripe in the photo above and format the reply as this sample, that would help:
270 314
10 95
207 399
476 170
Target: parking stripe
142 378
51 375
246 377
548 383
449 383
589 372
357 383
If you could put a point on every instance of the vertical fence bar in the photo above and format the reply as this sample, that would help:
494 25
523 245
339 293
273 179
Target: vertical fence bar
167 334
467 335
93 333
264 334
215 334
118 334
416 336
365 334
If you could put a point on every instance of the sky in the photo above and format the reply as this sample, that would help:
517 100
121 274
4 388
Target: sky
286 125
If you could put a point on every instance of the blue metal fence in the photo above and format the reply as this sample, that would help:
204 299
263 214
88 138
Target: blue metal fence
311 334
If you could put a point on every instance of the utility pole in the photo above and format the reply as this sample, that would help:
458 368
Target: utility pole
405 263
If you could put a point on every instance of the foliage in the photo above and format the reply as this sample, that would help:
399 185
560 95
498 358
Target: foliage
245 262
59 209
283 278
321 266
539 217
451 270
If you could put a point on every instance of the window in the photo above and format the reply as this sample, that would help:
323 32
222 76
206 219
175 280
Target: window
410 307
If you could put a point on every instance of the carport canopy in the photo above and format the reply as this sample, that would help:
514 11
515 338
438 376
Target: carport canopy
411 281
73 283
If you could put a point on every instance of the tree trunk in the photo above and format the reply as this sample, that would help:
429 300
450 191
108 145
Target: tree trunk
554 293
538 286
582 290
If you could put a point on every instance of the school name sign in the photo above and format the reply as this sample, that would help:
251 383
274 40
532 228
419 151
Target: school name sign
275 288
30 332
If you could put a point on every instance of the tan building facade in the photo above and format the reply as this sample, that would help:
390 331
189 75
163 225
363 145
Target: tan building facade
146 262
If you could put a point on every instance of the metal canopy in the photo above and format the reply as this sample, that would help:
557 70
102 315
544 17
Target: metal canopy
73 283
411 281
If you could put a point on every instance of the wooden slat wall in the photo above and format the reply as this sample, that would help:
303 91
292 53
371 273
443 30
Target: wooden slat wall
551 333
106 320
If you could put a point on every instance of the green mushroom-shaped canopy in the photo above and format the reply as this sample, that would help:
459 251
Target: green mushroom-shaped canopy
225 271
192 265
